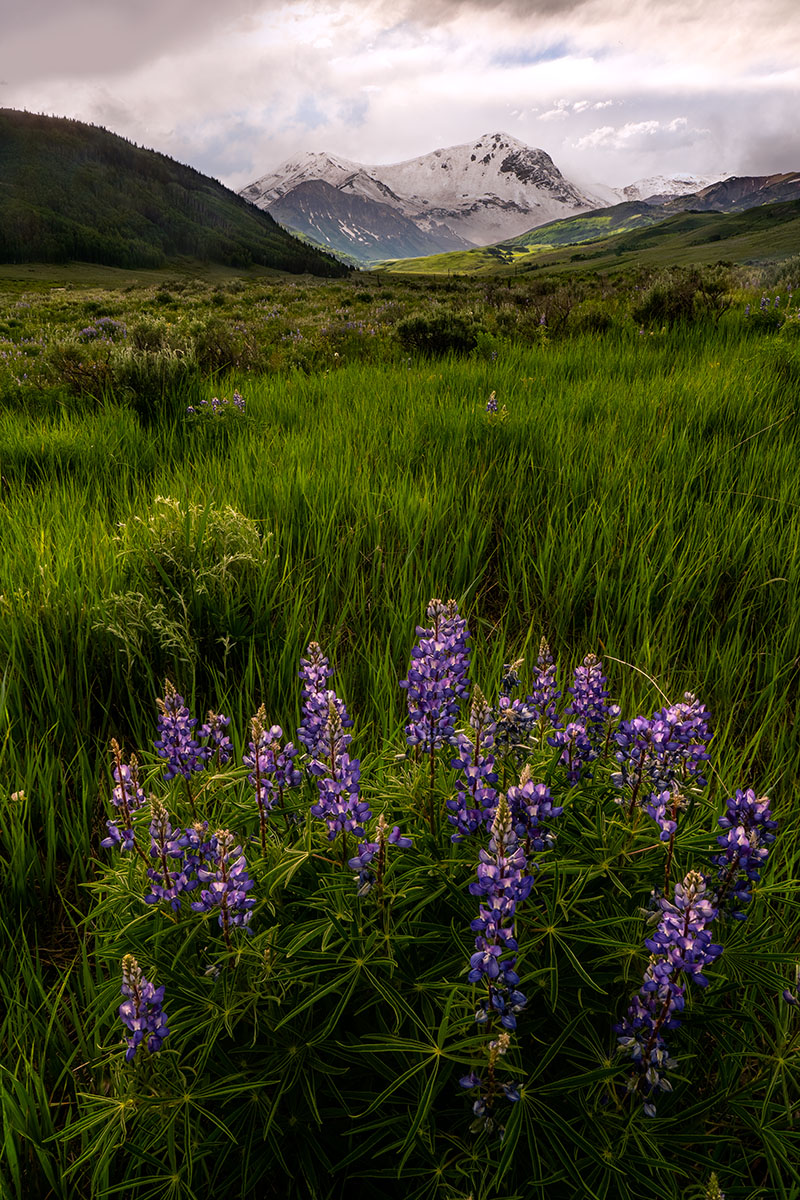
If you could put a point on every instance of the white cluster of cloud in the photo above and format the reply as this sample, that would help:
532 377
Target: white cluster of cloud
640 135
562 108
234 89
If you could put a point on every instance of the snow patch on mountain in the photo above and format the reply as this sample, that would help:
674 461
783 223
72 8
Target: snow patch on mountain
658 188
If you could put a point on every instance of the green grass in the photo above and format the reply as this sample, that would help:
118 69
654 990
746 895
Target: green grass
639 501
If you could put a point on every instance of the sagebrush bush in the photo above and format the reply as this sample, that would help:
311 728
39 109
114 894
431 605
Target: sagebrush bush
438 334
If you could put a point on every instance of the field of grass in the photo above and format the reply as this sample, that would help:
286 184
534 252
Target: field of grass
637 500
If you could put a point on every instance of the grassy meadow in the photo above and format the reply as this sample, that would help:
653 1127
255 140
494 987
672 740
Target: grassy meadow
637 499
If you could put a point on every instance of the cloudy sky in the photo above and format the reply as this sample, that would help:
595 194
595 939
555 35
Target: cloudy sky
614 90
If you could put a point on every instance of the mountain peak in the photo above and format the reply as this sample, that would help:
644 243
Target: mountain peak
480 192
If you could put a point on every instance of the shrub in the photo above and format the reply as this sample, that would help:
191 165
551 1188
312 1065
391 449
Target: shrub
442 333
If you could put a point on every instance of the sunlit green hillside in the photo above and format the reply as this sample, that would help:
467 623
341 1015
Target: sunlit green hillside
765 234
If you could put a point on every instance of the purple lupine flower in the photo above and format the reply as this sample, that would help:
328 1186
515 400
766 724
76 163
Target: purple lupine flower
142 1010
314 729
654 753
545 693
514 719
589 703
176 741
510 680
682 938
127 795
664 807
491 404
747 310
501 884
273 770
368 851
530 805
437 678
217 741
577 751
749 833
476 799
171 878
225 873
681 948
339 804
239 401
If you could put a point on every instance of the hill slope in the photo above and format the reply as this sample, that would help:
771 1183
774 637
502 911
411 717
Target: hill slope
768 232
70 191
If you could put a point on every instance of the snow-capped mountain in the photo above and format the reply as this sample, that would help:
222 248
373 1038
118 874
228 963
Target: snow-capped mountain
477 193
659 188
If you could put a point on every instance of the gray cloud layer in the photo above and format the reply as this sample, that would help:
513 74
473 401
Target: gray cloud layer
613 89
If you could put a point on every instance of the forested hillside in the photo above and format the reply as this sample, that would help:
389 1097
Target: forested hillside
70 191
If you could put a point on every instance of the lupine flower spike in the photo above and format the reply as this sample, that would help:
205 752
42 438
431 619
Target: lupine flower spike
436 684
171 876
477 798
141 1011
501 884
127 796
680 949
273 769
712 1189
227 884
749 833
176 741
